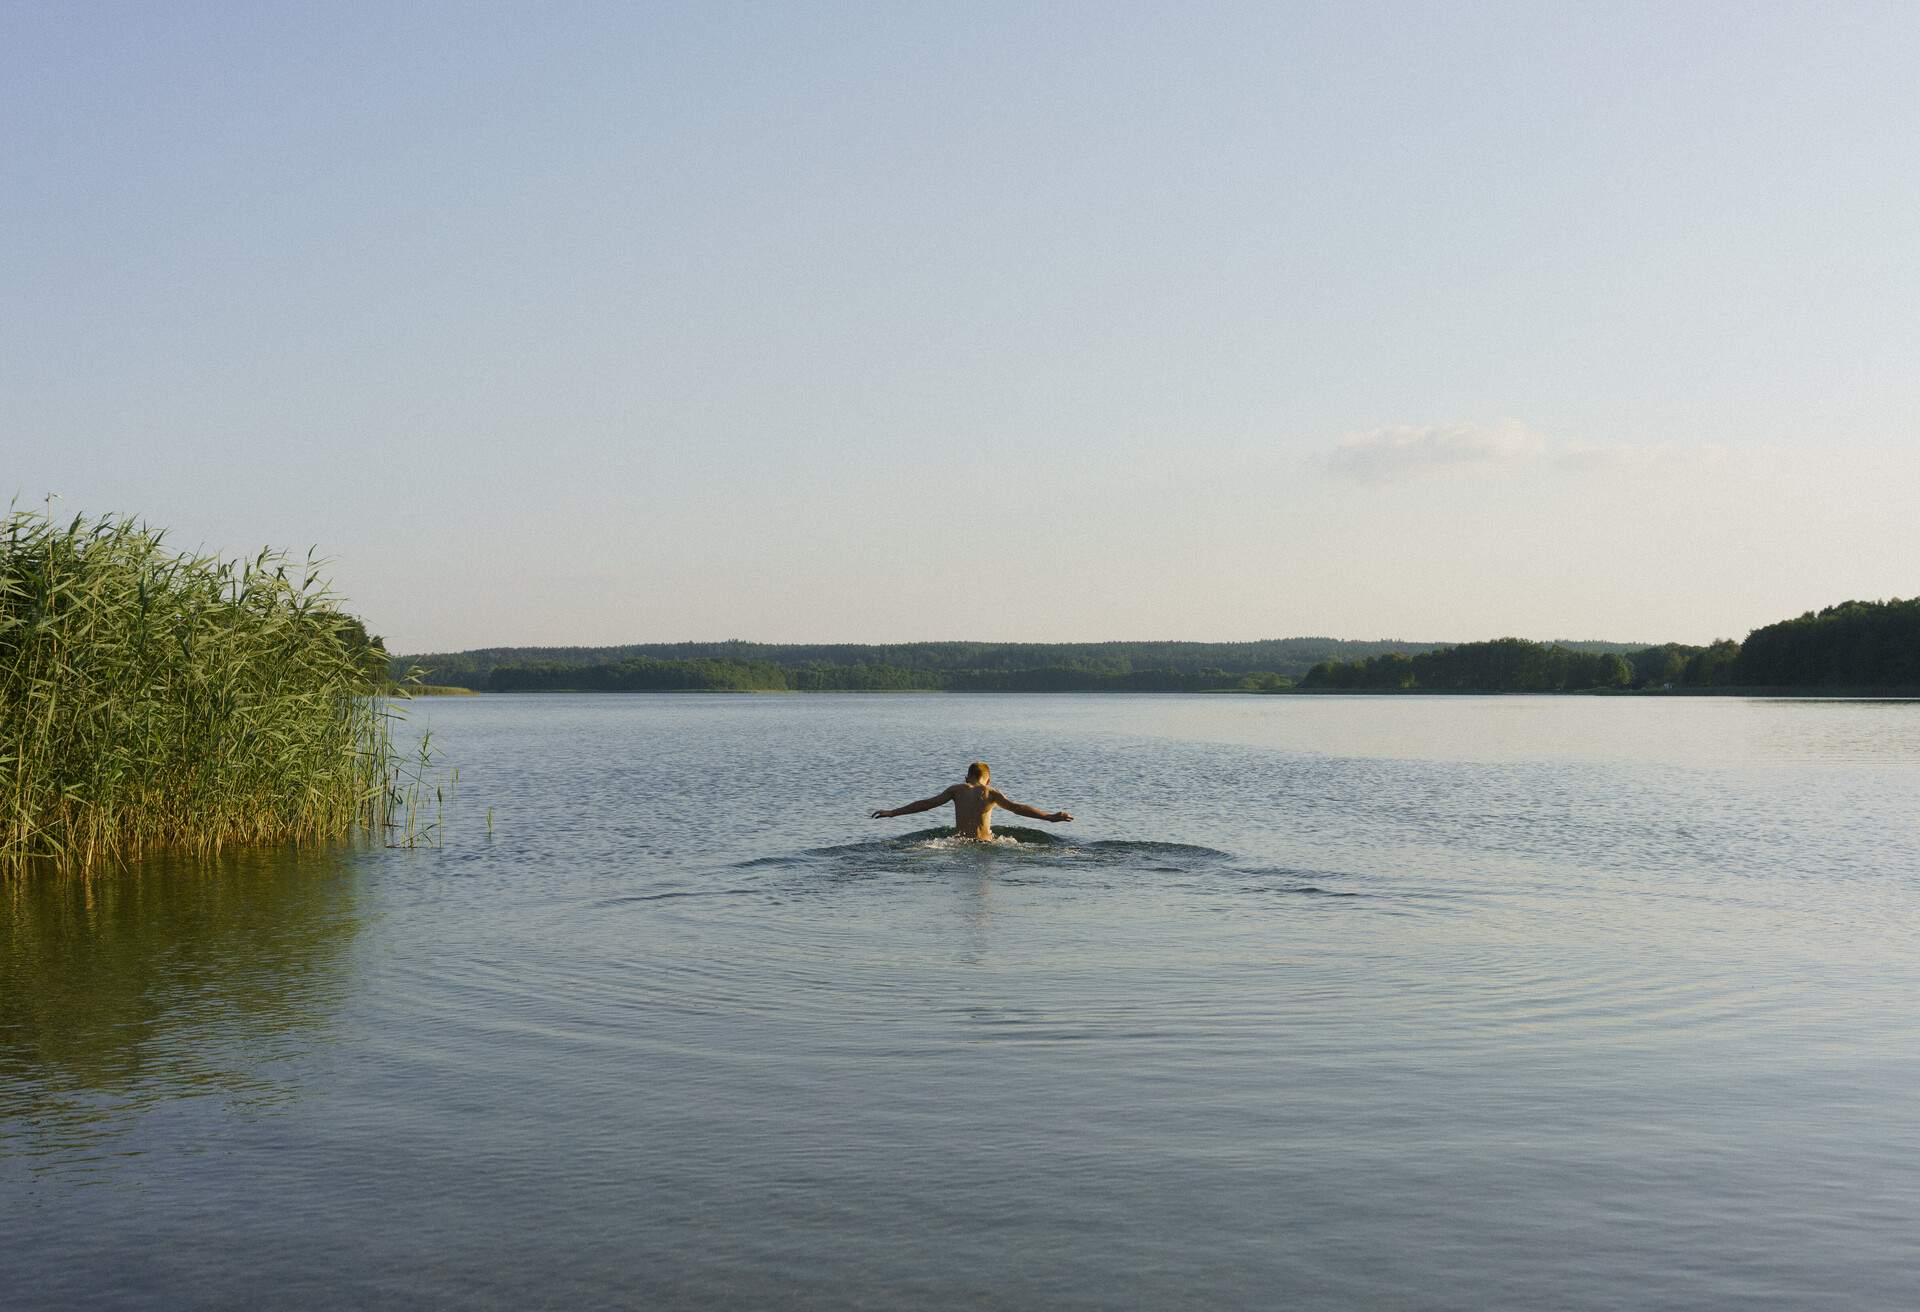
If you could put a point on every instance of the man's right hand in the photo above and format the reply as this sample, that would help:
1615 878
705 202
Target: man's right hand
1058 816
881 815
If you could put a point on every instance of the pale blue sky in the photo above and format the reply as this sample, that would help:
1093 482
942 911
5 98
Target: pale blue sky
590 324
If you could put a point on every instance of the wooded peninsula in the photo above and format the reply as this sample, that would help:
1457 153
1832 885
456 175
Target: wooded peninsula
1854 646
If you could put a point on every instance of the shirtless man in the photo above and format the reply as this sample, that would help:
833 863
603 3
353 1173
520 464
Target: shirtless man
972 803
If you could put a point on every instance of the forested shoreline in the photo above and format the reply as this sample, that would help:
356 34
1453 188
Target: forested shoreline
915 665
643 675
1264 666
1856 645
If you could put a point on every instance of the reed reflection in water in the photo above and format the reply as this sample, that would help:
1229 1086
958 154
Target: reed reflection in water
172 980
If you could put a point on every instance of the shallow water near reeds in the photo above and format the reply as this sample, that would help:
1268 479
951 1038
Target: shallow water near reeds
1332 1002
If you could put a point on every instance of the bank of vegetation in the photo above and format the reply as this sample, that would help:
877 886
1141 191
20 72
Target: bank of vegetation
643 675
923 666
1856 646
1268 666
1503 665
154 700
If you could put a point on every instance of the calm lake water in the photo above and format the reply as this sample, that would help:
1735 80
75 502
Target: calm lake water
1320 1002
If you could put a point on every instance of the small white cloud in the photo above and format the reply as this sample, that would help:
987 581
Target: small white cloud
1383 455
1403 451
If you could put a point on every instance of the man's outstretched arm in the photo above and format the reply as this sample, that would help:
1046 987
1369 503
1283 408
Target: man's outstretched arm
1000 799
924 804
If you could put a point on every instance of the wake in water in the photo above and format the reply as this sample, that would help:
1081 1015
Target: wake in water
946 840
1019 855
1027 856
941 848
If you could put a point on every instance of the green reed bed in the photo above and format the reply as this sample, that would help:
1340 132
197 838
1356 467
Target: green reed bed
155 700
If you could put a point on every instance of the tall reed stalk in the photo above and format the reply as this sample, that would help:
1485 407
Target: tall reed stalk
153 700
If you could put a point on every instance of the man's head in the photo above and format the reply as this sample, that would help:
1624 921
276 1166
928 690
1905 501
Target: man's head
977 772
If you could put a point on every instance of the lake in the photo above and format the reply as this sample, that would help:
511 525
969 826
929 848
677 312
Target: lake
1342 1002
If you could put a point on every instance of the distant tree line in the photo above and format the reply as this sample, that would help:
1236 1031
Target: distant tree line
638 676
1503 665
925 665
1857 644
644 675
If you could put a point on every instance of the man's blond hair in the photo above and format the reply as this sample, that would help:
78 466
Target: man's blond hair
977 771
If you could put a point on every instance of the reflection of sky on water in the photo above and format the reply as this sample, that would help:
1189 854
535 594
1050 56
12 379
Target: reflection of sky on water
129 990
1682 730
1394 1002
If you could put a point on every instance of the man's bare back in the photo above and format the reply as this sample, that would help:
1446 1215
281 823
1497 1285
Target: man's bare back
973 803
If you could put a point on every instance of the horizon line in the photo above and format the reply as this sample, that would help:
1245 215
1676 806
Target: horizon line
1009 642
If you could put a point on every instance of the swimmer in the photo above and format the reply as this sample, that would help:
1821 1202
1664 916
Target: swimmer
972 803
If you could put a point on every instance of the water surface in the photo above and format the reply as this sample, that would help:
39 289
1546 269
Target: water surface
1321 1002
